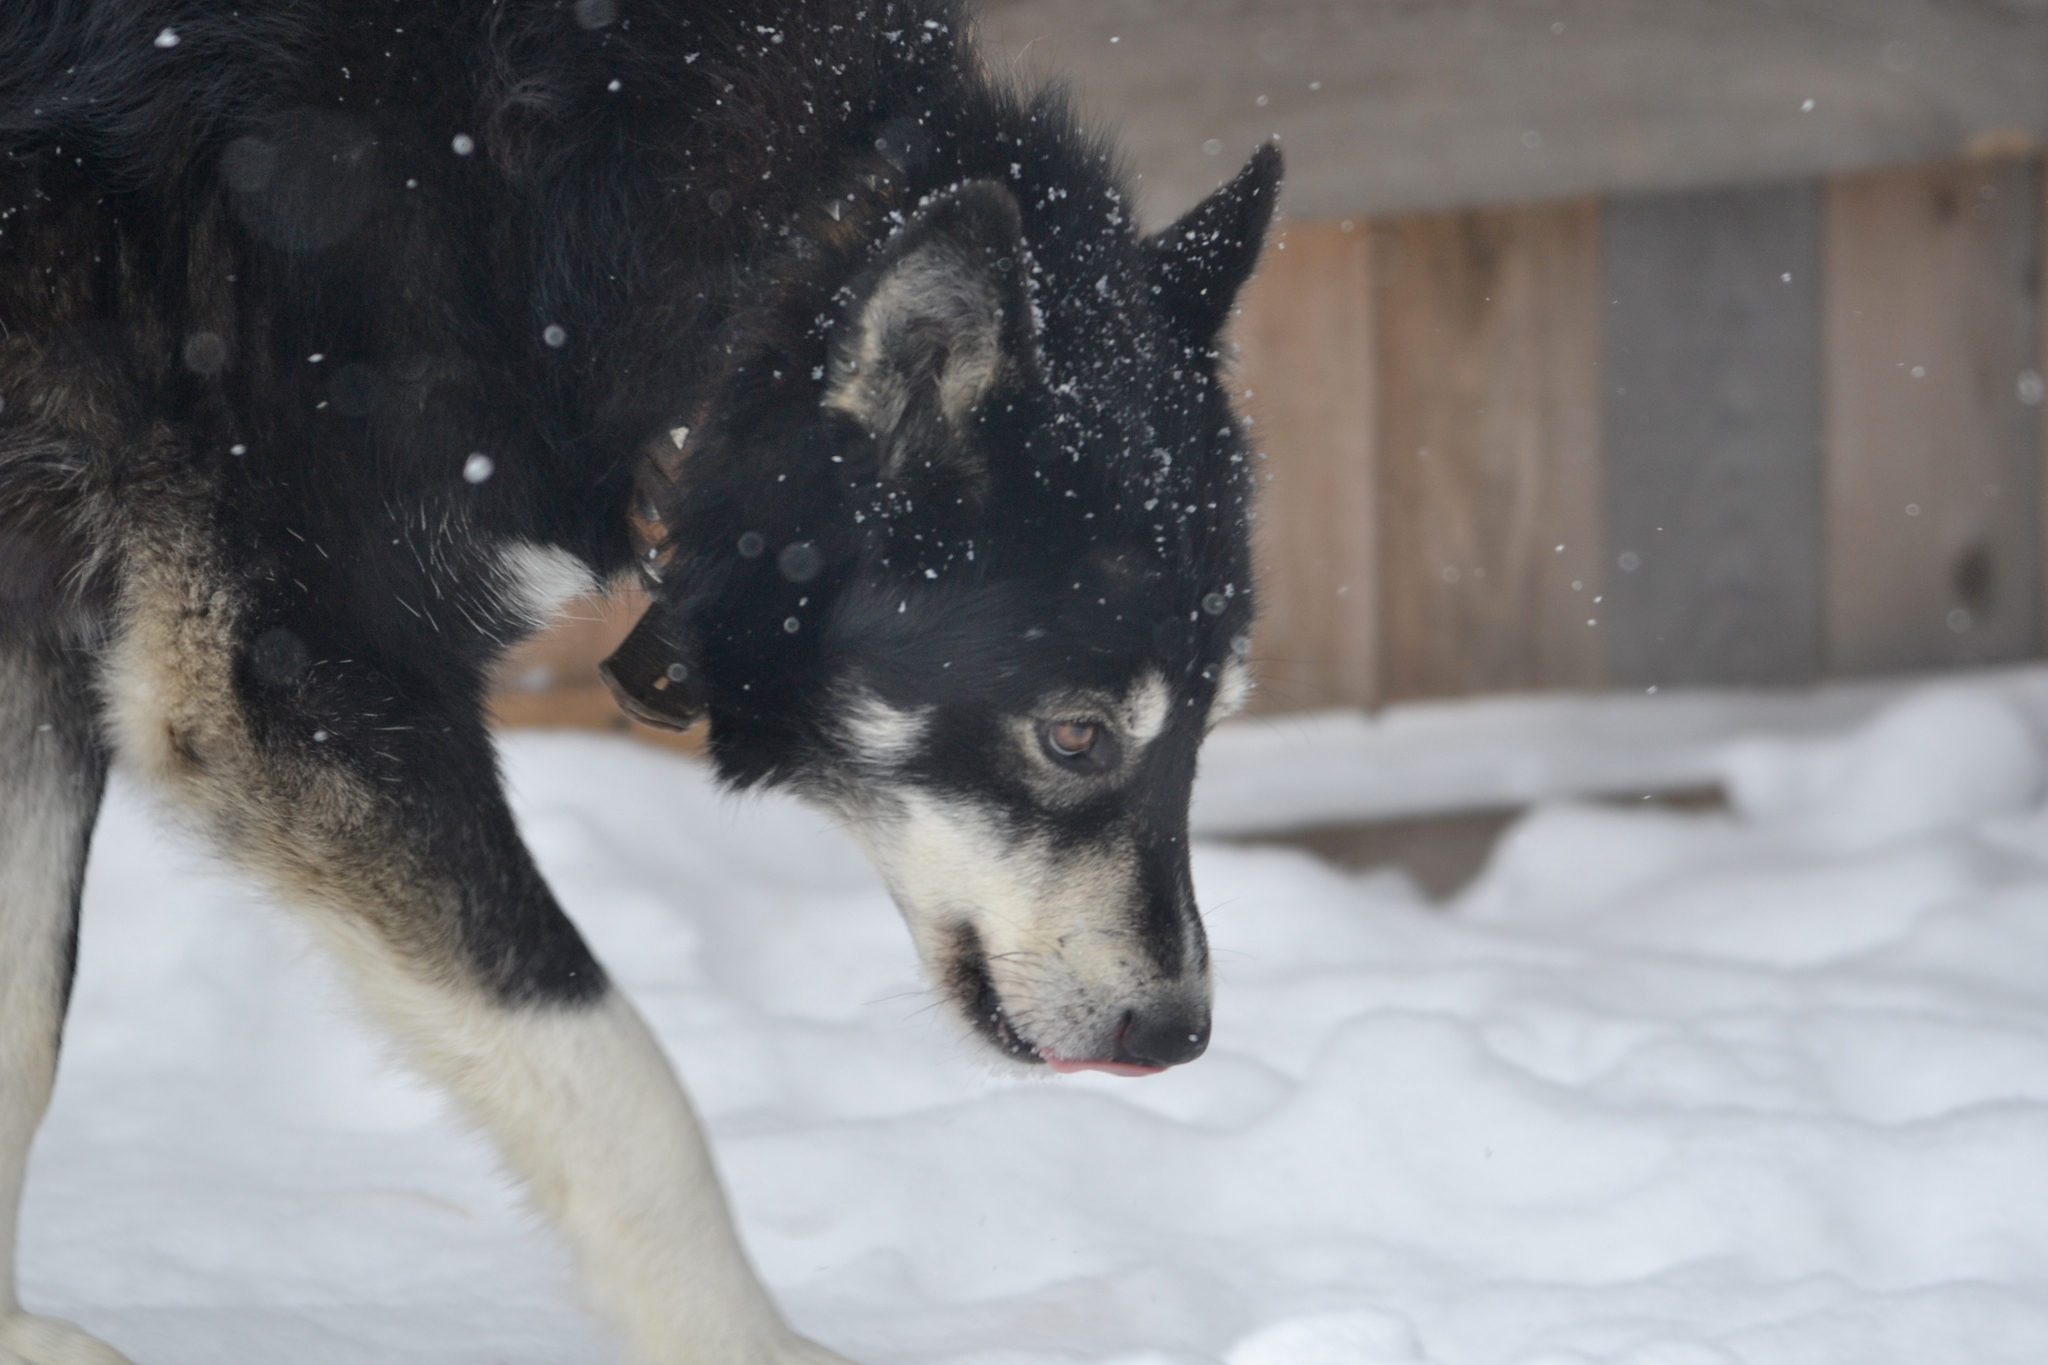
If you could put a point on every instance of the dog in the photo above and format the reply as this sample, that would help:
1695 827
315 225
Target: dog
341 343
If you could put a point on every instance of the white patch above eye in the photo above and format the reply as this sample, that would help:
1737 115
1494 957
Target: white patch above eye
1233 690
540 579
1145 708
881 734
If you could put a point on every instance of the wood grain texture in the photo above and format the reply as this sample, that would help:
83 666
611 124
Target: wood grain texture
1305 360
1931 481
2033 391
1712 393
1399 107
1488 334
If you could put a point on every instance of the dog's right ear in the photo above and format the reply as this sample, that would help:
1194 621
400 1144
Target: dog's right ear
1199 263
935 326
653 676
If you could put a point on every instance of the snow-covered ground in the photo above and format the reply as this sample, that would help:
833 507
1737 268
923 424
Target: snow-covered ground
1768 1085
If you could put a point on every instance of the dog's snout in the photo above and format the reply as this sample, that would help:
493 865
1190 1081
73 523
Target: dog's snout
1163 1035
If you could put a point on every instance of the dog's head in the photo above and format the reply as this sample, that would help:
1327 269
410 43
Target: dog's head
965 558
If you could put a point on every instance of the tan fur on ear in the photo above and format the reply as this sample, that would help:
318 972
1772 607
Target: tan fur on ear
939 322
934 319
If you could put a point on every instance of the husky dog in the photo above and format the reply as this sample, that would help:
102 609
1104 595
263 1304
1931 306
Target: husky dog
340 343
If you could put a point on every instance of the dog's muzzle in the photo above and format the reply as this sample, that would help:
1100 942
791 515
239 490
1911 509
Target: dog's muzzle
1147 1042
1148 1038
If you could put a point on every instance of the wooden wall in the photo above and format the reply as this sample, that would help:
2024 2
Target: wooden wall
1711 401
1488 333
1320 604
1747 436
1408 107
1932 453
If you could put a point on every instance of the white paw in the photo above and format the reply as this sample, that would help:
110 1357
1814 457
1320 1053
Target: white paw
26 1339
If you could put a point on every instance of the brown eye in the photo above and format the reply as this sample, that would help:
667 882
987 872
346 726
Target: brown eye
1071 738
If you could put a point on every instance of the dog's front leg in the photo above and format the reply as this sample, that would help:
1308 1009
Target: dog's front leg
398 841
588 1110
52 768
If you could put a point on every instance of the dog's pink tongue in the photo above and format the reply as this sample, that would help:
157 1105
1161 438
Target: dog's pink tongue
1067 1066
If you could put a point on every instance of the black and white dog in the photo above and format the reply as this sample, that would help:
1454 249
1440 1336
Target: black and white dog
340 343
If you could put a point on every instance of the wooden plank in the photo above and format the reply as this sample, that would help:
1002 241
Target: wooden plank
1397 108
2032 391
1305 363
1488 328
1931 465
1713 436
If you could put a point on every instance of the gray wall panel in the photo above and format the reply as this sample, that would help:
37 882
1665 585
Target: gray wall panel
1713 441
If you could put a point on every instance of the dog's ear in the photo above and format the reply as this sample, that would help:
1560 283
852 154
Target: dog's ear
1200 263
936 325
653 674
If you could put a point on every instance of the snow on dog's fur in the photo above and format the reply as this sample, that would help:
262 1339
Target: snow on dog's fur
338 344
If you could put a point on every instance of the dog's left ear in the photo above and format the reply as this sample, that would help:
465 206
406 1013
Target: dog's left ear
937 323
1201 262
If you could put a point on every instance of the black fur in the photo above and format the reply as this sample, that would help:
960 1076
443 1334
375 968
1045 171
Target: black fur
329 330
264 252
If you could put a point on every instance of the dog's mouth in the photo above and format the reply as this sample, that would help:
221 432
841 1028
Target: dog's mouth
976 990
1067 1066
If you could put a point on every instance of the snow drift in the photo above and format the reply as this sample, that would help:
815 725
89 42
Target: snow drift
1767 1085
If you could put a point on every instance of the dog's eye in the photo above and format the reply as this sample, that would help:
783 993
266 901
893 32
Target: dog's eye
1072 738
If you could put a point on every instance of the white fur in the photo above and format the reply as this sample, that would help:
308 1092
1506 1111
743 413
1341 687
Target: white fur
40 833
34 896
1145 708
540 580
1233 690
882 735
579 1098
29 1339
1056 923
587 1110
1064 958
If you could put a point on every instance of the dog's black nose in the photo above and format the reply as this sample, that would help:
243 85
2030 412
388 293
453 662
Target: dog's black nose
1162 1035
